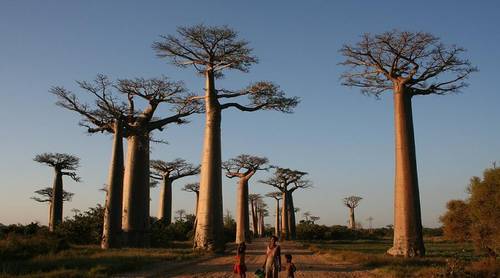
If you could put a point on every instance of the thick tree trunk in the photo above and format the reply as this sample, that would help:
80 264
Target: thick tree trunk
291 215
408 239
56 203
277 223
254 218
165 205
135 222
112 231
352 221
209 228
242 215
262 225
285 230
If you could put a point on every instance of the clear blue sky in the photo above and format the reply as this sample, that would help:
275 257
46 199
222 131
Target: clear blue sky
342 138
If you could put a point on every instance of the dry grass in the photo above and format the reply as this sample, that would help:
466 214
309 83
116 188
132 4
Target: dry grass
91 261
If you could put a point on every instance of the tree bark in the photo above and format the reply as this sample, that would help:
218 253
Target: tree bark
352 220
56 203
262 226
285 230
277 223
242 215
408 239
165 205
254 218
291 214
209 231
135 222
112 229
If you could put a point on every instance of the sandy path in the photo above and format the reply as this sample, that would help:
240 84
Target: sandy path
308 264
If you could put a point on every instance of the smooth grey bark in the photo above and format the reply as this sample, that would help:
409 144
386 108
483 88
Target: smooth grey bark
242 213
408 240
352 220
165 205
56 204
209 228
112 230
135 223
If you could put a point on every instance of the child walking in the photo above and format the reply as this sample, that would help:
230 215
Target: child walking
239 267
289 267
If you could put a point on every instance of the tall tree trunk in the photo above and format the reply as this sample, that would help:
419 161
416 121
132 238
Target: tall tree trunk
112 230
135 222
408 239
254 218
291 214
209 229
285 230
242 218
352 221
56 203
277 223
262 226
165 205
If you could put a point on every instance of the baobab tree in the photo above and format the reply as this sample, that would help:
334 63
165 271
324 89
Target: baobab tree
181 214
64 165
168 172
243 167
262 212
287 181
211 51
276 196
370 220
410 64
195 188
115 111
253 199
45 196
352 202
314 219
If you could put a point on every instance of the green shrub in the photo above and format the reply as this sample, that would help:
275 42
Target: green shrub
16 247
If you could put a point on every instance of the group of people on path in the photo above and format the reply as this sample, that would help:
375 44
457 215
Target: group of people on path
272 263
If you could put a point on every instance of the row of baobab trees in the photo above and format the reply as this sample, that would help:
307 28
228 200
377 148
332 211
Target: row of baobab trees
407 63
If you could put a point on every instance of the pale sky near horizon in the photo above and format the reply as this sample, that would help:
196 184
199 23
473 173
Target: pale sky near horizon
341 137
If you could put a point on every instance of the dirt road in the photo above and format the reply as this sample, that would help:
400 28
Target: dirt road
308 264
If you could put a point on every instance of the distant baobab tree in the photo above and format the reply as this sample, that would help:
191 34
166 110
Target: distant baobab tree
211 50
254 199
352 202
195 188
64 165
262 211
243 167
276 196
181 215
314 219
410 64
168 172
370 220
287 181
116 111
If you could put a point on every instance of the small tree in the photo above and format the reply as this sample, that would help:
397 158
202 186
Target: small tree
410 64
46 195
211 51
352 202
181 213
276 196
457 221
254 199
287 181
243 167
64 165
168 172
195 188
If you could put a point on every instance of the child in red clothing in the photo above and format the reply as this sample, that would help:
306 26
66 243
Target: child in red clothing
240 267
